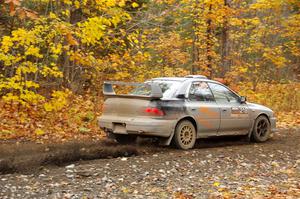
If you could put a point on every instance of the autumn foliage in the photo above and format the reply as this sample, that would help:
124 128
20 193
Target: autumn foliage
54 55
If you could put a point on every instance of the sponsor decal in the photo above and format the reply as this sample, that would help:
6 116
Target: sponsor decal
239 111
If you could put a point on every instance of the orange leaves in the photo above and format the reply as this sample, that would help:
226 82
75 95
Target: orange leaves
66 30
15 9
71 40
58 101
275 55
76 120
12 5
288 119
23 13
78 44
169 50
182 195
280 97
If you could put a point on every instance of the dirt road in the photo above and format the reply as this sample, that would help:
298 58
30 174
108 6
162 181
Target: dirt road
216 168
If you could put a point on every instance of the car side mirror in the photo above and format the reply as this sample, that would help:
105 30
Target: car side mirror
243 99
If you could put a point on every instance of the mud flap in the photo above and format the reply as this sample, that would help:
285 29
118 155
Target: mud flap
166 141
250 132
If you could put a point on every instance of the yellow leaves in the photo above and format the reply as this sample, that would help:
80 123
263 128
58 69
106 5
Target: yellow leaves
293 48
68 2
35 56
133 38
293 23
23 51
39 132
56 49
254 21
52 16
122 3
51 71
99 27
93 29
274 164
134 5
66 13
10 97
243 69
125 190
25 68
58 101
30 97
216 184
31 84
275 56
266 4
6 44
280 97
33 51
236 21
25 98
77 4
19 37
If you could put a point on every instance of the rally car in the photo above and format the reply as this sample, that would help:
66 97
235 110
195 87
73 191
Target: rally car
180 110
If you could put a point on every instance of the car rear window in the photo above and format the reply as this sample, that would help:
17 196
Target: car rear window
168 88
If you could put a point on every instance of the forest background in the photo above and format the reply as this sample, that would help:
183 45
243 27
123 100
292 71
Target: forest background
55 55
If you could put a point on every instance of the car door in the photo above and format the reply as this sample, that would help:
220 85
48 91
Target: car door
201 105
235 117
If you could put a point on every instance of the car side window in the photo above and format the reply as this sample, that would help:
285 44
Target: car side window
223 94
200 91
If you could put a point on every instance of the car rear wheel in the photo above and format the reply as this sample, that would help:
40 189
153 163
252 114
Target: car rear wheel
185 135
261 130
125 139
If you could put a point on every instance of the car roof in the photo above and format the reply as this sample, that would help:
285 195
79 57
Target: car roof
183 79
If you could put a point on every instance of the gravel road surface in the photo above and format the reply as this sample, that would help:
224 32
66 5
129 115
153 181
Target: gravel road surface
216 168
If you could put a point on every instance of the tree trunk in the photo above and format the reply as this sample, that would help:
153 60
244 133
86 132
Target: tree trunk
195 54
209 42
195 47
225 44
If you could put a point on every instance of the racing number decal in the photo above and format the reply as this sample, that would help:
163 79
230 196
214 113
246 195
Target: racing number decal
239 112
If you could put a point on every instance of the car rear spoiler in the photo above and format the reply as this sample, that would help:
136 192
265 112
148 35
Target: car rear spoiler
108 90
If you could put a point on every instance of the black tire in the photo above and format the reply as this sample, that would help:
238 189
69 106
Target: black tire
125 139
185 135
261 129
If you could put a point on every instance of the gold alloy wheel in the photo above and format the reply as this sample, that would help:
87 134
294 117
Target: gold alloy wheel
186 135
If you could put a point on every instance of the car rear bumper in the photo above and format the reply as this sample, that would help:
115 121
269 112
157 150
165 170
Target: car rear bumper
273 124
138 126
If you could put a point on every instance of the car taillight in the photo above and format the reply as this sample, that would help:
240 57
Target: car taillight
154 111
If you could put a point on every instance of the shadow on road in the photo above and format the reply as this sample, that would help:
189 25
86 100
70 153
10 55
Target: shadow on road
24 157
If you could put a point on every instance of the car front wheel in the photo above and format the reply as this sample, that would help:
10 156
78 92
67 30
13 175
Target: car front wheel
185 135
261 130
